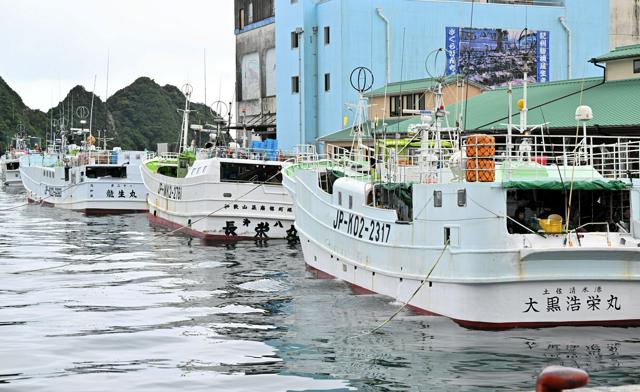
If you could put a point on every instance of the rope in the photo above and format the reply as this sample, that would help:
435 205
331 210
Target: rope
424 281
162 235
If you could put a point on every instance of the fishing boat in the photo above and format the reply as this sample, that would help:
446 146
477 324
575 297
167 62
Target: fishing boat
84 177
491 231
226 191
10 162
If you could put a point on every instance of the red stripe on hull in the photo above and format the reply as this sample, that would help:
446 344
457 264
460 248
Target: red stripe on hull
319 274
359 290
156 220
513 325
105 211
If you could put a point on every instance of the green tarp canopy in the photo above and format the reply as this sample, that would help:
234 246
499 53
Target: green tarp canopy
581 185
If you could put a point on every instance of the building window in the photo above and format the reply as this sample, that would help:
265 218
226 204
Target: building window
295 84
327 35
420 100
294 40
327 82
408 102
241 23
394 106
250 13
636 66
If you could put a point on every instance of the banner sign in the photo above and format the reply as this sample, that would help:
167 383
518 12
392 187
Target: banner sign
495 57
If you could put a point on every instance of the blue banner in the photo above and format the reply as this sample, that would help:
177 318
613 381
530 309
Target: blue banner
453 45
495 57
543 56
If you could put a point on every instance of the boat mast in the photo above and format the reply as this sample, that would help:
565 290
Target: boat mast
187 89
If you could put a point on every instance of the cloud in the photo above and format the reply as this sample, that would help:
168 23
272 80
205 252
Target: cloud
50 46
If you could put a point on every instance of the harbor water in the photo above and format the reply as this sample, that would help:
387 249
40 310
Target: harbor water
112 303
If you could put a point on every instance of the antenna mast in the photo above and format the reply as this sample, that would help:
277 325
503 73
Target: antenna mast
187 89
106 111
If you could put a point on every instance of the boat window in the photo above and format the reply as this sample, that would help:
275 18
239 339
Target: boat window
350 201
13 165
340 198
168 170
106 171
437 198
462 198
393 196
250 172
326 180
533 210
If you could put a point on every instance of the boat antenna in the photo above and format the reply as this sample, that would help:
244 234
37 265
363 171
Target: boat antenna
93 95
361 80
187 89
466 79
204 59
106 110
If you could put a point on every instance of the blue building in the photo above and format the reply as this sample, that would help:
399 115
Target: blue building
320 42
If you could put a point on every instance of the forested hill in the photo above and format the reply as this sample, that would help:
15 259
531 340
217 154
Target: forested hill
137 117
14 112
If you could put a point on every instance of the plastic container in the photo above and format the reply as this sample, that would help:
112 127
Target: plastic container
551 225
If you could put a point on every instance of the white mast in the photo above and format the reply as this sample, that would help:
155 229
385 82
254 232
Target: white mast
187 89
93 94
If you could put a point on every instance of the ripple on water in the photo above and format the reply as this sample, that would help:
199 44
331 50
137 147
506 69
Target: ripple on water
110 303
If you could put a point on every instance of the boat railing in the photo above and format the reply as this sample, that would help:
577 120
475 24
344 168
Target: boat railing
258 154
306 153
167 155
563 156
575 232
605 156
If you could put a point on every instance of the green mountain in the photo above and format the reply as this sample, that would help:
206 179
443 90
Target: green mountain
14 112
145 113
137 117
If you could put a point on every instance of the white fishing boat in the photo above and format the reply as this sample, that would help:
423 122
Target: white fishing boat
516 230
224 192
93 182
85 178
10 162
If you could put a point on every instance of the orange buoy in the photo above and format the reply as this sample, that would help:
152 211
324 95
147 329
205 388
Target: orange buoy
481 146
559 378
481 170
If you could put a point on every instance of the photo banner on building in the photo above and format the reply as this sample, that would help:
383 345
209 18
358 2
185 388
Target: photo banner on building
495 57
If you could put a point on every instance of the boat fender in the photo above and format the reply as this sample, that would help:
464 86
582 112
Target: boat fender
558 378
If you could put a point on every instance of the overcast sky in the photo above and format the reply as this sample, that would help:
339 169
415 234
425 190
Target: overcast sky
49 46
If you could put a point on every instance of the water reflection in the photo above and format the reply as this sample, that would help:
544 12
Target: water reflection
95 303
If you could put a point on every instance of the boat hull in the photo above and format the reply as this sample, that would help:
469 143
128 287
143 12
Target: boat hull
51 186
460 262
494 306
206 208
11 178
